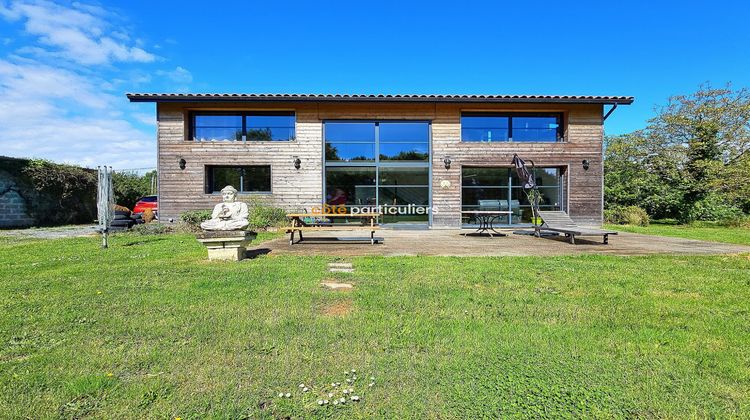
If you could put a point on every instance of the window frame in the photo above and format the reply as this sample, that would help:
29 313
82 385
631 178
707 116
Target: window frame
378 163
243 114
560 116
376 143
510 187
209 179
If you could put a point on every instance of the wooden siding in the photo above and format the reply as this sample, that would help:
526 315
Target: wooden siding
291 188
583 140
296 189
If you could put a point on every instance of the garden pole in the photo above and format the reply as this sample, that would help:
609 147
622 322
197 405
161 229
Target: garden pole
105 202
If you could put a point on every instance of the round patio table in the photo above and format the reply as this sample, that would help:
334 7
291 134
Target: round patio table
486 218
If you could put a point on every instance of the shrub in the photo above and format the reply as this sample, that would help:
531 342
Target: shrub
712 208
738 221
630 215
262 215
148 216
611 216
130 187
194 218
54 194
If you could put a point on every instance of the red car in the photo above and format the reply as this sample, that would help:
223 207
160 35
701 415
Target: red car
147 202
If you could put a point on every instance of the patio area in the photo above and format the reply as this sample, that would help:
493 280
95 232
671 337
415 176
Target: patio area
454 243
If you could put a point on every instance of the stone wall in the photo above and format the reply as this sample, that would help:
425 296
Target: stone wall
42 193
13 209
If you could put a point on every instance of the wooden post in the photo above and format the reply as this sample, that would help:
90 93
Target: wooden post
105 201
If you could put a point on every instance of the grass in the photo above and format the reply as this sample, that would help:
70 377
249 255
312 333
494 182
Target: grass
705 232
150 329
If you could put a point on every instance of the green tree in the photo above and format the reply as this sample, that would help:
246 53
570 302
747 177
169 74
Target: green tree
259 134
130 187
636 174
690 161
712 126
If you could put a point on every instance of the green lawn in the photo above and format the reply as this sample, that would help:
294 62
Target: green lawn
149 329
704 233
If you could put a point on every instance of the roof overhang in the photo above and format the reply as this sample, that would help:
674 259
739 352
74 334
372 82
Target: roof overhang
295 97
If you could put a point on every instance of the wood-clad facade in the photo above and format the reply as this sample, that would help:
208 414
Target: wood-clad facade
298 189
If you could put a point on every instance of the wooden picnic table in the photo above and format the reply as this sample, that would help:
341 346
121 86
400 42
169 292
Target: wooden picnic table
486 217
299 225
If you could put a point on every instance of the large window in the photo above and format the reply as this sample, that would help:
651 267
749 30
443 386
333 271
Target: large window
351 186
249 126
217 127
401 141
350 141
404 141
379 163
492 189
496 127
245 179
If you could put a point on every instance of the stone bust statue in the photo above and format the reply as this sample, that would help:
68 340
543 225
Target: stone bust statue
229 215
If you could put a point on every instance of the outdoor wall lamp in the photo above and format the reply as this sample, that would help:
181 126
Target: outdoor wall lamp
585 164
447 162
182 163
297 162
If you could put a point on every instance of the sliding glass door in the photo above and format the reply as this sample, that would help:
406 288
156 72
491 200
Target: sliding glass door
495 188
381 164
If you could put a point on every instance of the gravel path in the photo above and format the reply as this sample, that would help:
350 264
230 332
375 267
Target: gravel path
51 232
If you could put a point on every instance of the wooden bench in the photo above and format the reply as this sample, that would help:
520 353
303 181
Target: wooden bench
559 221
299 225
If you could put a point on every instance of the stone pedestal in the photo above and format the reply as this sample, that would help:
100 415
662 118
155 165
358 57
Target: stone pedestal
227 245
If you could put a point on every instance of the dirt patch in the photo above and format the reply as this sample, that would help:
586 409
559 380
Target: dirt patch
338 309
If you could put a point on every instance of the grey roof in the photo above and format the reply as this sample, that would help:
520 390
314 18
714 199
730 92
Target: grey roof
290 97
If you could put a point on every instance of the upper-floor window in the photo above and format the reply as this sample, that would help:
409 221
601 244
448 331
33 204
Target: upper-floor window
495 127
244 179
246 125
388 140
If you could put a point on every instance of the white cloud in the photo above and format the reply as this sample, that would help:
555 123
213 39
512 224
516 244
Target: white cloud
180 78
59 115
61 96
82 141
144 118
55 105
178 75
90 8
79 34
27 81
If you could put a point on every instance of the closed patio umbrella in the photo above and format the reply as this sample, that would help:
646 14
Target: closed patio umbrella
530 188
523 173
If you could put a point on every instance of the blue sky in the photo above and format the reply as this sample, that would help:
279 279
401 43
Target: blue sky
64 67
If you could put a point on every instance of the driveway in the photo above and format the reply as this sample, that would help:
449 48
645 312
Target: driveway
51 232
